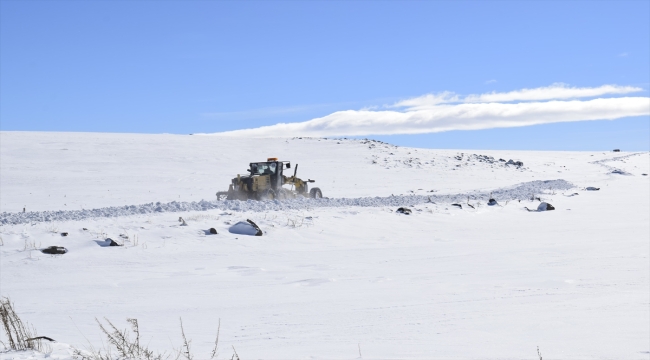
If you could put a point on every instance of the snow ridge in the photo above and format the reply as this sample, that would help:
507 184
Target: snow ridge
612 169
521 191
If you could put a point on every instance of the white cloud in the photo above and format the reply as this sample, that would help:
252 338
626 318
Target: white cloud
428 100
448 111
623 54
491 81
555 91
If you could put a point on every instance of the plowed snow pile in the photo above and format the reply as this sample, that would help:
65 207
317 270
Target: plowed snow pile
522 191
329 278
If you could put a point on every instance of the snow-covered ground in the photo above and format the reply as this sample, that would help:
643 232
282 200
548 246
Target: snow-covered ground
329 278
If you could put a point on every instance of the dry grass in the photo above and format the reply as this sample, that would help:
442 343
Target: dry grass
125 344
201 217
122 344
52 228
299 220
295 222
20 335
270 217
31 245
98 234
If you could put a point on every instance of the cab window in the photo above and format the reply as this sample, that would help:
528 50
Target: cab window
263 168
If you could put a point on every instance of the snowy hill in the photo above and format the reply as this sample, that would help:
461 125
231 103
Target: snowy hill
329 278
55 171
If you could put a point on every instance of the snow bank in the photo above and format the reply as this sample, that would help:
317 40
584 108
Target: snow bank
521 191
245 228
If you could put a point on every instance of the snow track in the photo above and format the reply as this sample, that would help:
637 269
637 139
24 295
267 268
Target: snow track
521 191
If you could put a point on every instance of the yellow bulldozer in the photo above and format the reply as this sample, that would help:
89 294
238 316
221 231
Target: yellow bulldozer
265 181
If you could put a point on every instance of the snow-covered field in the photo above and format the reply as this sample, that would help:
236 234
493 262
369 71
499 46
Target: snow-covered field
341 277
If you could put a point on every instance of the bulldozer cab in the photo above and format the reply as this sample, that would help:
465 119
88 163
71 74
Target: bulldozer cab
264 168
271 168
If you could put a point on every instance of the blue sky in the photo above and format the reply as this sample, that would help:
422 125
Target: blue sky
212 66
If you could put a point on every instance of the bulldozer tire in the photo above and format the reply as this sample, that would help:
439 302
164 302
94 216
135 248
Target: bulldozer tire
267 194
315 193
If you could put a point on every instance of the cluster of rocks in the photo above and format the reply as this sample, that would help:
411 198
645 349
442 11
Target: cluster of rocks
516 163
619 172
375 143
411 162
487 159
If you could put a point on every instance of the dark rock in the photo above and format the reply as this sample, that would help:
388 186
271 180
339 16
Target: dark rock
492 202
591 188
644 174
545 207
405 211
64 234
259 231
542 207
55 250
616 150
84 229
213 231
459 205
106 243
